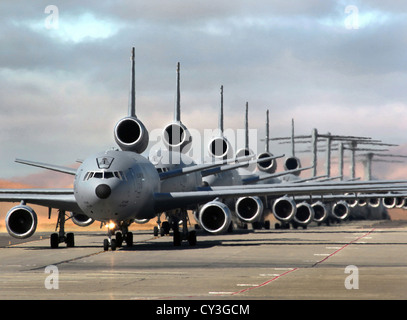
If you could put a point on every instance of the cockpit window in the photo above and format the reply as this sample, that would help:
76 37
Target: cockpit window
104 175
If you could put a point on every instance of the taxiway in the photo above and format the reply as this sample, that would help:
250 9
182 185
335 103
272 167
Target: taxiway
263 264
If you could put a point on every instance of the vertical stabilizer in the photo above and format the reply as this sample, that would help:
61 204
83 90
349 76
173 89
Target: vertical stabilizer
132 102
177 111
246 123
267 132
221 111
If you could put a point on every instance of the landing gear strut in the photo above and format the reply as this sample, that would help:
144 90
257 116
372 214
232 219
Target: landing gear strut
57 238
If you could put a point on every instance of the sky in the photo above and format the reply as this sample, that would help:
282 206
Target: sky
339 66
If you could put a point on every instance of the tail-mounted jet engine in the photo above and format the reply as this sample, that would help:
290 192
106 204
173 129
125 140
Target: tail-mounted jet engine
21 221
292 163
176 137
131 135
80 219
249 209
220 148
268 166
215 217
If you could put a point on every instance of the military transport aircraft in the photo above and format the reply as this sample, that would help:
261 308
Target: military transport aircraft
119 187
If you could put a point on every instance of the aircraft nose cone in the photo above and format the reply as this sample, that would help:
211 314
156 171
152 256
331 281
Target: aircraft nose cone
103 191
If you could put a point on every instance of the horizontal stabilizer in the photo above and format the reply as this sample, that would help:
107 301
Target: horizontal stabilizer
47 166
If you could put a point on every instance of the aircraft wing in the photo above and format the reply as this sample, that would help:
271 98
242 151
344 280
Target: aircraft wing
173 200
63 199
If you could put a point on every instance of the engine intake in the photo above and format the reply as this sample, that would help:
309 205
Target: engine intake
177 137
131 135
249 209
80 219
220 148
340 210
284 209
21 222
292 163
389 202
304 215
320 211
268 166
215 217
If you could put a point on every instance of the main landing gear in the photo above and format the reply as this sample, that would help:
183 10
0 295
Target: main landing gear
61 236
120 236
175 219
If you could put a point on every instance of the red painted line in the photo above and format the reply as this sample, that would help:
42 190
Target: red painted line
265 283
326 258
295 269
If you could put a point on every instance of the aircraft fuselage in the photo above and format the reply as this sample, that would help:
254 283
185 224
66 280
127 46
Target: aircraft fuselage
116 186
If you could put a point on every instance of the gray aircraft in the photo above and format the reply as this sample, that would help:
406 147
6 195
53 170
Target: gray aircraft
119 187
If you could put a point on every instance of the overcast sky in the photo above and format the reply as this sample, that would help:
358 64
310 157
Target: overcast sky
339 66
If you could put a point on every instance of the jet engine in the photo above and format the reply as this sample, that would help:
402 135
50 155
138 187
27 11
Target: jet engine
21 221
220 148
304 215
177 137
249 209
131 135
320 211
374 202
81 219
284 209
292 163
340 210
215 217
389 202
268 166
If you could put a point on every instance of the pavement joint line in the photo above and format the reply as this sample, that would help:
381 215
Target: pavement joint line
290 270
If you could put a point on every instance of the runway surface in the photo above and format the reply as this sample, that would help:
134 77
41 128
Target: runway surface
355 260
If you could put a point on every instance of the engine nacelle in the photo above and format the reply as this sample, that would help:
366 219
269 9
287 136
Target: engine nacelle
141 221
220 148
304 215
215 217
292 163
400 202
374 202
21 221
80 219
284 209
389 202
131 135
320 211
249 209
177 137
340 210
268 166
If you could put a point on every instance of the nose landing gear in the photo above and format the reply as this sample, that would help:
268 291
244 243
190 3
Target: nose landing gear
120 236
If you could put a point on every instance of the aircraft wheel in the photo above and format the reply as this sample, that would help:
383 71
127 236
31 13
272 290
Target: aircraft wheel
155 231
119 239
113 244
129 239
70 240
177 238
166 227
54 240
105 244
192 238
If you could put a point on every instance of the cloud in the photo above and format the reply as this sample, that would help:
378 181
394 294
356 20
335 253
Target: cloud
64 89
